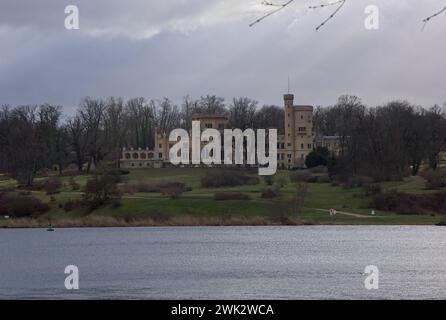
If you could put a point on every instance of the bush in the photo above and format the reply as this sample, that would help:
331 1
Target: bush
300 176
435 179
222 196
52 186
21 206
405 203
270 193
227 178
317 158
173 191
100 189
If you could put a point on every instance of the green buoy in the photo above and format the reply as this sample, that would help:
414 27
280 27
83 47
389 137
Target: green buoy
50 228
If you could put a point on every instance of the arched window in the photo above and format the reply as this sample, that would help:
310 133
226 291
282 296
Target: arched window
127 155
135 156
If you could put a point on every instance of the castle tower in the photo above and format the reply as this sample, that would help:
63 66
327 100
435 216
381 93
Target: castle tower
299 137
289 129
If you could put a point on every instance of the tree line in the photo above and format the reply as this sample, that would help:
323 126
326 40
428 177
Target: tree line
33 138
385 142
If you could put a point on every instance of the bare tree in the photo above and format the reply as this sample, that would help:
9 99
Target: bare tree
77 138
211 105
168 116
92 112
436 128
270 117
242 113
114 128
187 109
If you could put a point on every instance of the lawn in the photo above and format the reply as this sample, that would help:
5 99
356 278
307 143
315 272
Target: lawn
352 204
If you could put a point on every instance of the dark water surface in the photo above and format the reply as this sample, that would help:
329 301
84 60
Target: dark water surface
323 262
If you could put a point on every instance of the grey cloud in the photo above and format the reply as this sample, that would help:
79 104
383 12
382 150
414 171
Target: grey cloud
194 54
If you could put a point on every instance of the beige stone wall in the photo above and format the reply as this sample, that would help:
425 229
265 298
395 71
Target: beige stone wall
162 146
140 158
211 122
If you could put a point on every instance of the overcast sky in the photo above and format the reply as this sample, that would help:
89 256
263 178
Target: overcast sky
173 48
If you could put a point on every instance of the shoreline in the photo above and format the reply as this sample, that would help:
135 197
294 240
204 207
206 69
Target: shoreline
111 222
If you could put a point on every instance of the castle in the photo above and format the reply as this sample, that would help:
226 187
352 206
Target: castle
298 140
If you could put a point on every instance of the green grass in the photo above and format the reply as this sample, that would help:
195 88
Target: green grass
200 203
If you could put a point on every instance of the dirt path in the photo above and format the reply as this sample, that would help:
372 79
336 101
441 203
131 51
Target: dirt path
347 214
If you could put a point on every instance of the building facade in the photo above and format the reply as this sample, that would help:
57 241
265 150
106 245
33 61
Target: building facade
293 146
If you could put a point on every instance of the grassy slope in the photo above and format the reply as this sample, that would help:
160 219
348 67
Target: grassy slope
200 203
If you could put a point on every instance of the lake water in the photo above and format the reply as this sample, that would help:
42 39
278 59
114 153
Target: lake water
321 262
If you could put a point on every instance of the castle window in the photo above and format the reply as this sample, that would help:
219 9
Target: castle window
302 129
135 156
143 156
289 144
150 155
160 155
127 155
208 125
309 146
160 146
302 146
